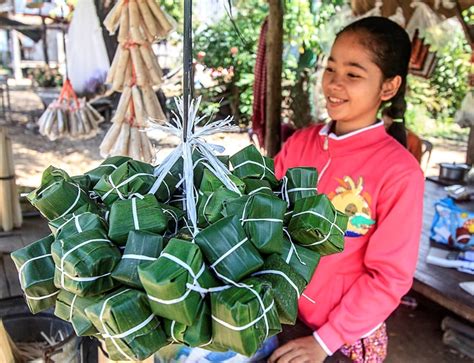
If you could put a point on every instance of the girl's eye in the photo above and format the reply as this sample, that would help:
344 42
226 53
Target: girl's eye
329 69
352 75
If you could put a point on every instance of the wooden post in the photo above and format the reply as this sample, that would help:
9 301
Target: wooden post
274 55
470 147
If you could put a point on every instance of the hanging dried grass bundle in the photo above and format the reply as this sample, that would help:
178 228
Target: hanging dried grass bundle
69 117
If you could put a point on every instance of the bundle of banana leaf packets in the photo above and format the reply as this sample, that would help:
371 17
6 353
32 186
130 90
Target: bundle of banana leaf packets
207 252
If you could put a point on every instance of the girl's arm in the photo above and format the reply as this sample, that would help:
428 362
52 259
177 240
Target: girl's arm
390 262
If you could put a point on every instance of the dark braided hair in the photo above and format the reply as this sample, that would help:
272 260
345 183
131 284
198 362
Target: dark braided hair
390 47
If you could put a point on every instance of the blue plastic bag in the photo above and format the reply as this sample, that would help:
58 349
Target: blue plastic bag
452 225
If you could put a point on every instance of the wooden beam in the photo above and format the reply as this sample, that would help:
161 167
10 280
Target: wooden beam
274 55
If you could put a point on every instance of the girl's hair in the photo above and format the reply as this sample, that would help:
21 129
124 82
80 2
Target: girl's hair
390 47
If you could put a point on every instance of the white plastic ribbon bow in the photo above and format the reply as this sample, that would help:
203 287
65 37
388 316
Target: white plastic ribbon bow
193 140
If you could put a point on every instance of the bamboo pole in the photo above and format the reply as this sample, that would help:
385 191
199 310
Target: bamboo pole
16 208
6 198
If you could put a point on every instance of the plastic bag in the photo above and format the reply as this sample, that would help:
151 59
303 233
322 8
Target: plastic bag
465 115
87 58
452 225
422 19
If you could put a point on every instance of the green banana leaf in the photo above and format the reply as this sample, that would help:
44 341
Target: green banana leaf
84 263
129 178
83 181
211 203
253 186
262 217
167 188
238 307
142 248
58 195
36 272
71 308
227 248
106 167
136 214
300 183
287 218
287 285
249 163
303 260
197 335
128 326
199 163
77 223
317 225
210 183
174 215
86 208
166 281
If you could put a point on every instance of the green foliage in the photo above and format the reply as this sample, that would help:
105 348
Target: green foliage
435 101
225 48
46 77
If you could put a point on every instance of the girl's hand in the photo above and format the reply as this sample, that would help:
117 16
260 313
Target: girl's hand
300 350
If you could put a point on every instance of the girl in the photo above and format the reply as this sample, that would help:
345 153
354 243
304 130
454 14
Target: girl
371 177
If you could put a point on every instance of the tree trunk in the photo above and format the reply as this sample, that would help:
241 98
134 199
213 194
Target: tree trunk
274 55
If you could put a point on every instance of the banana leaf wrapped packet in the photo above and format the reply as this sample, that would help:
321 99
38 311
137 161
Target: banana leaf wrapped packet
86 208
84 182
130 178
142 248
174 215
107 167
287 285
58 194
84 263
174 281
303 260
36 273
227 248
299 183
200 165
211 204
72 308
317 225
77 223
130 330
210 183
199 334
136 214
253 186
243 317
262 217
249 163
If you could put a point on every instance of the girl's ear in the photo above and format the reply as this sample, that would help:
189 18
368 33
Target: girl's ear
390 87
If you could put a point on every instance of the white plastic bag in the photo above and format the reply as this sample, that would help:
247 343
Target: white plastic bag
87 58
422 19
465 115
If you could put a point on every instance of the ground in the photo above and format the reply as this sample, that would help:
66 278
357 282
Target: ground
415 335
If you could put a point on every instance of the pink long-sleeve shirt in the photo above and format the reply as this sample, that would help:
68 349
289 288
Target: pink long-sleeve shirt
368 175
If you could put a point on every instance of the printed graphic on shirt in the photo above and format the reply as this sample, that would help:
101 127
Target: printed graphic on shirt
351 199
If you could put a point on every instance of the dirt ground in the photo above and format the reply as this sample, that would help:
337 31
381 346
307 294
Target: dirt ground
415 335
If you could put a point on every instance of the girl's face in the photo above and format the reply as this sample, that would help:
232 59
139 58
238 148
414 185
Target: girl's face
353 84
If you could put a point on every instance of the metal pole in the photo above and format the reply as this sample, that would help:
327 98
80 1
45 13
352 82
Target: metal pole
187 61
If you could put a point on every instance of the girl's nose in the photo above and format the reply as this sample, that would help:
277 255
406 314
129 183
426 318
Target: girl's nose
335 81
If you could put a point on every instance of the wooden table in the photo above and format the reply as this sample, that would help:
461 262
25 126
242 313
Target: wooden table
441 284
